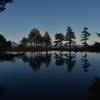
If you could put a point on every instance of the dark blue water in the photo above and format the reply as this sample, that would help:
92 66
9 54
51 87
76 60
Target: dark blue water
50 76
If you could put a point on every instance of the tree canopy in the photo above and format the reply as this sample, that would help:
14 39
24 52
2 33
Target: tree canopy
3 3
59 37
46 39
4 43
70 36
85 36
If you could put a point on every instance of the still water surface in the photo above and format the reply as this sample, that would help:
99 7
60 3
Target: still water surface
50 76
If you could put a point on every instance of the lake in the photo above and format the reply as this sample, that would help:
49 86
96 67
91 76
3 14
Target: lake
49 76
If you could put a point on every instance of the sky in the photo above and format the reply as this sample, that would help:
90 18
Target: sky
50 15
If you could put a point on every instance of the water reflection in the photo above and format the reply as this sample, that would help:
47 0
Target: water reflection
59 59
4 56
68 58
70 61
56 83
36 59
85 62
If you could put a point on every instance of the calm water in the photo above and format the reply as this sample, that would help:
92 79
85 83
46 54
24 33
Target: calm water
49 76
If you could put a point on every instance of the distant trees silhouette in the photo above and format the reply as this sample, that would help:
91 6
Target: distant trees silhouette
97 44
36 40
85 36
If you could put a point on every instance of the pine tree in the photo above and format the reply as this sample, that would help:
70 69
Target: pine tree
85 36
70 36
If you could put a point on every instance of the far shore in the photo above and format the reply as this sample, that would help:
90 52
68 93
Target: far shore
51 49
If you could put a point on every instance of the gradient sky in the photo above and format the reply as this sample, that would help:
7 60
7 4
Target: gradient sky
50 15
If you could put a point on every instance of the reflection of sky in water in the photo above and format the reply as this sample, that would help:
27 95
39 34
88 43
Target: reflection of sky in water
21 80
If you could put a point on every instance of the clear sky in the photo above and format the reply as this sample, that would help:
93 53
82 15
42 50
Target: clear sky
50 15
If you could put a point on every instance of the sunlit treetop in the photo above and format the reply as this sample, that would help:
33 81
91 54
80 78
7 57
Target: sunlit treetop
3 3
35 32
46 35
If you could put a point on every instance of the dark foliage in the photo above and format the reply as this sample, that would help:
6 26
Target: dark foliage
4 43
3 3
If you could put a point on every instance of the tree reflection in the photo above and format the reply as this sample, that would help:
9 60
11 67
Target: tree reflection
47 59
35 60
94 90
70 61
9 56
59 59
85 62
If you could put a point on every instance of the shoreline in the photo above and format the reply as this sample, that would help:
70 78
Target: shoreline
51 49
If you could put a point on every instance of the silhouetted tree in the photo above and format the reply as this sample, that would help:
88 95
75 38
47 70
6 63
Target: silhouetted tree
4 43
3 3
70 36
59 37
34 36
46 39
85 62
98 34
85 36
97 44
24 41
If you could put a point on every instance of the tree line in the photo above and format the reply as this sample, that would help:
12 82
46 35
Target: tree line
35 39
